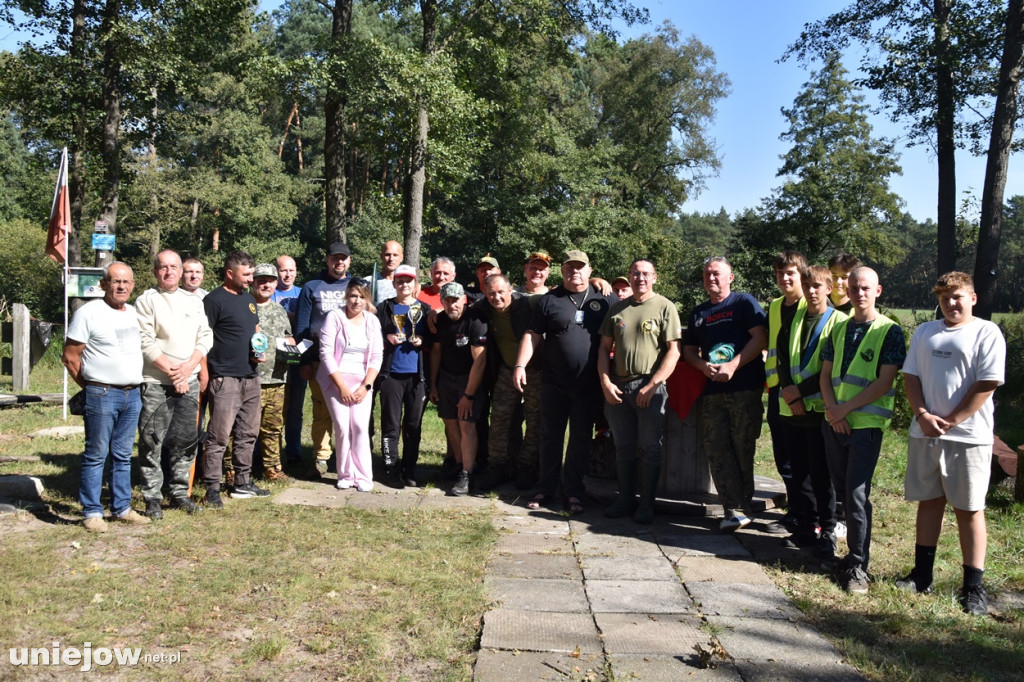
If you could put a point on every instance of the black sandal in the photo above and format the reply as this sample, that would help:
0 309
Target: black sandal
537 502
575 505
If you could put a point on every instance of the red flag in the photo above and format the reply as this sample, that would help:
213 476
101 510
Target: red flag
60 215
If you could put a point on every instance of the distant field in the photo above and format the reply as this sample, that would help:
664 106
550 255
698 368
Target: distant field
907 315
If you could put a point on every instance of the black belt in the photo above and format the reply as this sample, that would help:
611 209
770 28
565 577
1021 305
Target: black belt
100 384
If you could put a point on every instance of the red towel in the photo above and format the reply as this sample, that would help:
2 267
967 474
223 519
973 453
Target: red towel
684 387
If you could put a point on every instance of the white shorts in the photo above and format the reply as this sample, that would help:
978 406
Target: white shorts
948 468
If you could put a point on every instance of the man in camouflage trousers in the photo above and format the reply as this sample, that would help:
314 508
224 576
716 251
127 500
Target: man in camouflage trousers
273 373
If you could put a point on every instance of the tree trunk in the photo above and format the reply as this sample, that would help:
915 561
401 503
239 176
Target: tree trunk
945 150
76 174
335 198
110 146
1003 122
416 173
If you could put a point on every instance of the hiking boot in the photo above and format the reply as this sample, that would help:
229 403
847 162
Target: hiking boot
461 486
275 475
733 522
96 524
229 478
625 478
213 500
913 585
974 600
856 580
153 509
186 505
134 518
247 491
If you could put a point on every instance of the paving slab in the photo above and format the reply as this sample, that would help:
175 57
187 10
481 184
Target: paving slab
638 596
501 666
675 546
562 566
628 568
535 543
383 501
532 631
538 594
651 668
694 569
659 634
780 650
600 524
320 496
521 523
743 600
435 502
599 544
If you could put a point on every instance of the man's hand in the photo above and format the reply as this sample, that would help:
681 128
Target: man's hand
836 418
433 395
726 370
933 426
465 408
519 378
612 393
791 394
709 370
644 395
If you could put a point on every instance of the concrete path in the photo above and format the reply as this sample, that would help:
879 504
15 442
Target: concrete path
590 598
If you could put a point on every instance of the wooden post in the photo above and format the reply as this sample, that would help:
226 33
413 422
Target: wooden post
684 466
21 359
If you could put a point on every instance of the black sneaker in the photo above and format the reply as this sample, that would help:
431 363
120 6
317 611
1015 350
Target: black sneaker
785 526
213 500
913 585
243 492
800 540
461 486
409 479
393 477
153 509
826 545
186 505
856 580
974 600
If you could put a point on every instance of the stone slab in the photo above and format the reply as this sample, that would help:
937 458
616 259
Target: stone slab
659 634
562 566
675 546
519 523
778 650
599 544
638 596
321 496
535 543
21 487
651 668
538 594
743 600
581 525
388 501
7 508
62 432
694 569
463 502
502 666
530 631
632 568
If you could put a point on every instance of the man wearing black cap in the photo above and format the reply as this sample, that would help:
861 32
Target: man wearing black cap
318 298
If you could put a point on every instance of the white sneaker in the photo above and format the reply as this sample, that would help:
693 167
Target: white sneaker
344 485
364 487
733 522
840 530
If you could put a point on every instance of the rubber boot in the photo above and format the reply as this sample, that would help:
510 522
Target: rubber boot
648 492
625 503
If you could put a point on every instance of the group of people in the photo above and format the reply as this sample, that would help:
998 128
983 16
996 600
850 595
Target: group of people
494 358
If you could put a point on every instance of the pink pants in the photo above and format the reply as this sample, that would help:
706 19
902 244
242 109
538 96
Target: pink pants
351 431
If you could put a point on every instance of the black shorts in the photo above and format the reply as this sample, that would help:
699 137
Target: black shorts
450 388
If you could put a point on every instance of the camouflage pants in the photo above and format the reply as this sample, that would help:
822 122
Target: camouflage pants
730 424
504 402
167 431
271 424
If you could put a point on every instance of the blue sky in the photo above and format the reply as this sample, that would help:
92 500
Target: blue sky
747 38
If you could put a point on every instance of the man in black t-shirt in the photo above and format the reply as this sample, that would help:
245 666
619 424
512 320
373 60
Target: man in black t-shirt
457 362
234 391
566 328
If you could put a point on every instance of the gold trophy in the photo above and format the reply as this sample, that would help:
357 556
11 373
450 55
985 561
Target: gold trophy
399 327
415 315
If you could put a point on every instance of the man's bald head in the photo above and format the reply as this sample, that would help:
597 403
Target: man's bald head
864 290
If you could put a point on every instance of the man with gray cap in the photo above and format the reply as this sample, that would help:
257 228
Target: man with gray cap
318 298
565 330
273 371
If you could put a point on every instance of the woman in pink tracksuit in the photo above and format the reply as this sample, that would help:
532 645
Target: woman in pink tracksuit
351 348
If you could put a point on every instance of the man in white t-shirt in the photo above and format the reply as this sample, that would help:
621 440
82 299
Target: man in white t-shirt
103 354
952 369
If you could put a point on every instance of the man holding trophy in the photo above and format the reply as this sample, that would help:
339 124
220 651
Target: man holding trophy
401 382
234 391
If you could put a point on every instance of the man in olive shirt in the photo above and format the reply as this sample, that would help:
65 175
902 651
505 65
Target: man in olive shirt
645 332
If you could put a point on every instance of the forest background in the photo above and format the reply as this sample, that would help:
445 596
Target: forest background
462 127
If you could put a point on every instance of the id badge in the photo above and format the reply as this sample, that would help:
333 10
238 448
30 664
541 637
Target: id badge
579 317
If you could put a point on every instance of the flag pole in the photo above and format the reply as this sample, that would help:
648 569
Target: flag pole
57 244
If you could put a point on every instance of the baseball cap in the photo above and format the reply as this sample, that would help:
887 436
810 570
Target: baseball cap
624 280
575 256
265 270
539 255
339 247
452 290
405 271
489 260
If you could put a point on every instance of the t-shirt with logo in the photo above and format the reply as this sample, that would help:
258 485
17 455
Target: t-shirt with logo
570 324
641 332
457 337
233 319
722 330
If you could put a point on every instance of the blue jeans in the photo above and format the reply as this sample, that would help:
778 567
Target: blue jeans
638 429
111 419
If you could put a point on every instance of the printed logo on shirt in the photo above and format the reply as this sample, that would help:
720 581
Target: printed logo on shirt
721 316
650 326
252 308
595 305
461 340
942 354
868 354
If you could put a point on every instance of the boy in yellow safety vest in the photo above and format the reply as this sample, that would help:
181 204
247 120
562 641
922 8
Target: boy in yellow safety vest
860 361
